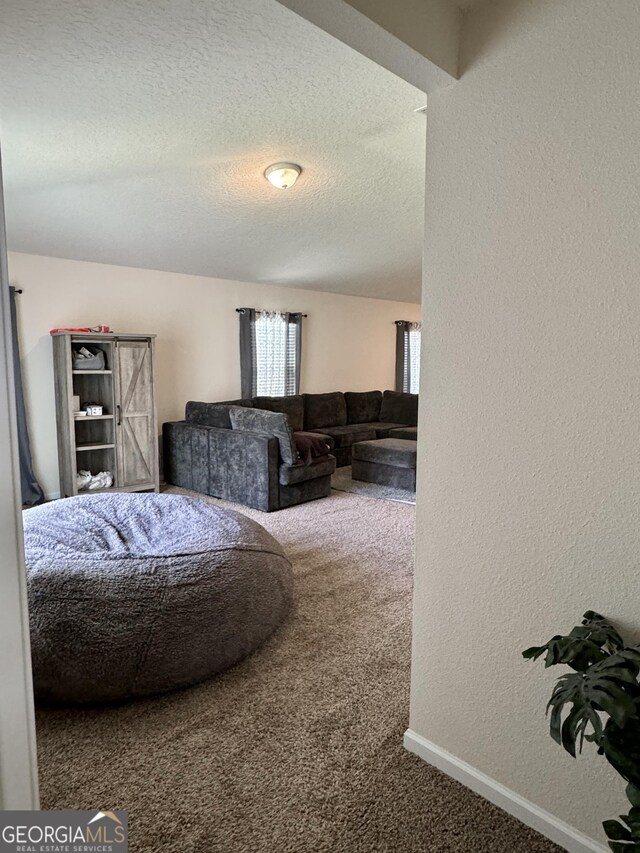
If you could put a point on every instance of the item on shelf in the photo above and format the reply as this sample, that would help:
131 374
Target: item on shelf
86 359
101 329
103 480
87 481
93 410
83 479
75 401
80 414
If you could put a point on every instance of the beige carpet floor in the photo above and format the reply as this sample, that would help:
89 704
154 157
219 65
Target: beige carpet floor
298 749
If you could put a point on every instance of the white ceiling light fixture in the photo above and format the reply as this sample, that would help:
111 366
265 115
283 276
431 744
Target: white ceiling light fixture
282 175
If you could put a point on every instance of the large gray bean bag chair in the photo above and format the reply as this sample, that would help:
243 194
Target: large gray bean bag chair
134 594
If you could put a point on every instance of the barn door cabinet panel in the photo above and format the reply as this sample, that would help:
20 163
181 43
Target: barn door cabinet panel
122 439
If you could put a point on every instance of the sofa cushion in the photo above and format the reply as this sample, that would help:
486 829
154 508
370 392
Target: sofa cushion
345 436
410 433
212 414
292 406
399 407
380 428
323 466
272 423
388 451
322 410
363 406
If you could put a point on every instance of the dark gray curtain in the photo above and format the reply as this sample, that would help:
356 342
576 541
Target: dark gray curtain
247 318
32 494
402 355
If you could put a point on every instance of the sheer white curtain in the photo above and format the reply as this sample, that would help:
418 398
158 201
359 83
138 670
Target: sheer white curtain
270 352
414 337
408 341
271 339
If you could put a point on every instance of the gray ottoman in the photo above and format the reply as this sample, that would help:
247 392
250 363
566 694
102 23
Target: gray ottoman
135 594
387 461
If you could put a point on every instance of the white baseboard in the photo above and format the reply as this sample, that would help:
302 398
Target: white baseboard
524 810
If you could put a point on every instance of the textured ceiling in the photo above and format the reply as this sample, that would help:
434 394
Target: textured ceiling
136 132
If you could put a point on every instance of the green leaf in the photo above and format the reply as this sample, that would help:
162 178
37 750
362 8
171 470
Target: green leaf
633 821
604 687
621 747
633 795
602 631
569 731
616 831
577 650
534 652
612 700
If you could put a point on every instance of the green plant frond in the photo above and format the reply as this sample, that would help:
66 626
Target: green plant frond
631 656
602 632
534 652
588 694
633 820
623 838
613 701
626 661
617 831
621 748
576 652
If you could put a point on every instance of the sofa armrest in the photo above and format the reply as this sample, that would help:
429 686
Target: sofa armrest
239 466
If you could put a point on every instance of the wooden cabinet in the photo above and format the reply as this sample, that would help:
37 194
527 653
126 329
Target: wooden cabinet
123 439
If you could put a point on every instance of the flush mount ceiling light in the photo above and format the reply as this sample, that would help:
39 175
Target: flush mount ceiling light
282 175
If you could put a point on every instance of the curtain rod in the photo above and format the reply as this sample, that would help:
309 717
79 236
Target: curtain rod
242 311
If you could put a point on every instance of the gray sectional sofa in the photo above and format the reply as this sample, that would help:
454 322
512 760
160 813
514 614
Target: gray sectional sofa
252 458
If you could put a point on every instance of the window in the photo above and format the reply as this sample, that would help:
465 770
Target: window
270 346
408 339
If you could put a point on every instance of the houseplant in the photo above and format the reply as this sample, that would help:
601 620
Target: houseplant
599 702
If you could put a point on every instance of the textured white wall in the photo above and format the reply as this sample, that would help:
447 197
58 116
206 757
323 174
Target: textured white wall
348 341
18 761
529 480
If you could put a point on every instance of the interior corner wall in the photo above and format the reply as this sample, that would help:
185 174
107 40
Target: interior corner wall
348 341
430 27
529 474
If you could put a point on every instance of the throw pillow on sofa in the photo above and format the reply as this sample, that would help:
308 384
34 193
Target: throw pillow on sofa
273 423
321 410
363 407
399 407
291 406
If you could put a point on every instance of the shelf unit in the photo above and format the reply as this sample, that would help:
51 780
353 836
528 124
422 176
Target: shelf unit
123 440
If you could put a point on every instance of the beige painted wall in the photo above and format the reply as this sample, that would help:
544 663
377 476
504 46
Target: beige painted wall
529 480
348 342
